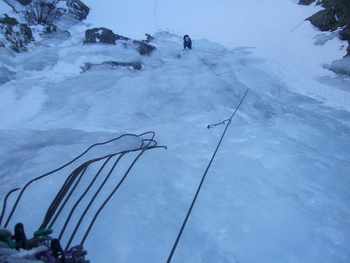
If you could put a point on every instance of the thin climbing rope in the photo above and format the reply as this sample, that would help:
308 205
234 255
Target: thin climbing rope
109 196
202 180
205 63
225 122
5 202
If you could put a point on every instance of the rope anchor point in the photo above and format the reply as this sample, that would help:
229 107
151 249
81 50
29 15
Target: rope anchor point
225 122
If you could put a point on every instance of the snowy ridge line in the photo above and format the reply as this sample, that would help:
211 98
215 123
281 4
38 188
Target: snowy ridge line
145 143
227 122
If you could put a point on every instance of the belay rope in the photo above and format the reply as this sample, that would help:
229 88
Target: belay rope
205 63
225 122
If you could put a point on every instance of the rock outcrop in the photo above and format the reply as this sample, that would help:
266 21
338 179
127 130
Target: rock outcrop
143 48
72 8
100 35
341 67
78 9
15 35
115 65
106 36
334 16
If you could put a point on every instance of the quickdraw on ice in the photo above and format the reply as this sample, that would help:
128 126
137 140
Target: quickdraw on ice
228 121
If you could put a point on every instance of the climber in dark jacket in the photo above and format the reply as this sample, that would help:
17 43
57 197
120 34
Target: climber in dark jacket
187 42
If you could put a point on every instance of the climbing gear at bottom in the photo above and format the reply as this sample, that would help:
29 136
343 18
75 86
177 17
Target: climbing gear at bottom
5 238
41 248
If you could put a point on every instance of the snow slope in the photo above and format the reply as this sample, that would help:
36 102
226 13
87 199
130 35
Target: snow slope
277 190
275 29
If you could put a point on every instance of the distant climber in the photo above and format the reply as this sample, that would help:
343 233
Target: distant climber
187 42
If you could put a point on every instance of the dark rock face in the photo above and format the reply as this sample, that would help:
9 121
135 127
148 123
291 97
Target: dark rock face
75 9
106 36
120 37
143 48
100 35
131 65
8 20
336 15
345 34
24 2
306 2
5 75
27 32
115 65
78 9
149 38
325 20
16 35
341 67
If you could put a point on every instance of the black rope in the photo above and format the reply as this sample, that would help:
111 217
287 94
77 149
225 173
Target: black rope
5 202
71 183
80 171
228 122
98 190
213 71
60 195
62 167
81 174
110 196
81 198
205 63
91 201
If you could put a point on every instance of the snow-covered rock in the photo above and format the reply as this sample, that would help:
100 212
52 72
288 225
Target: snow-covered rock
73 8
13 34
106 36
334 16
340 66
5 75
100 35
